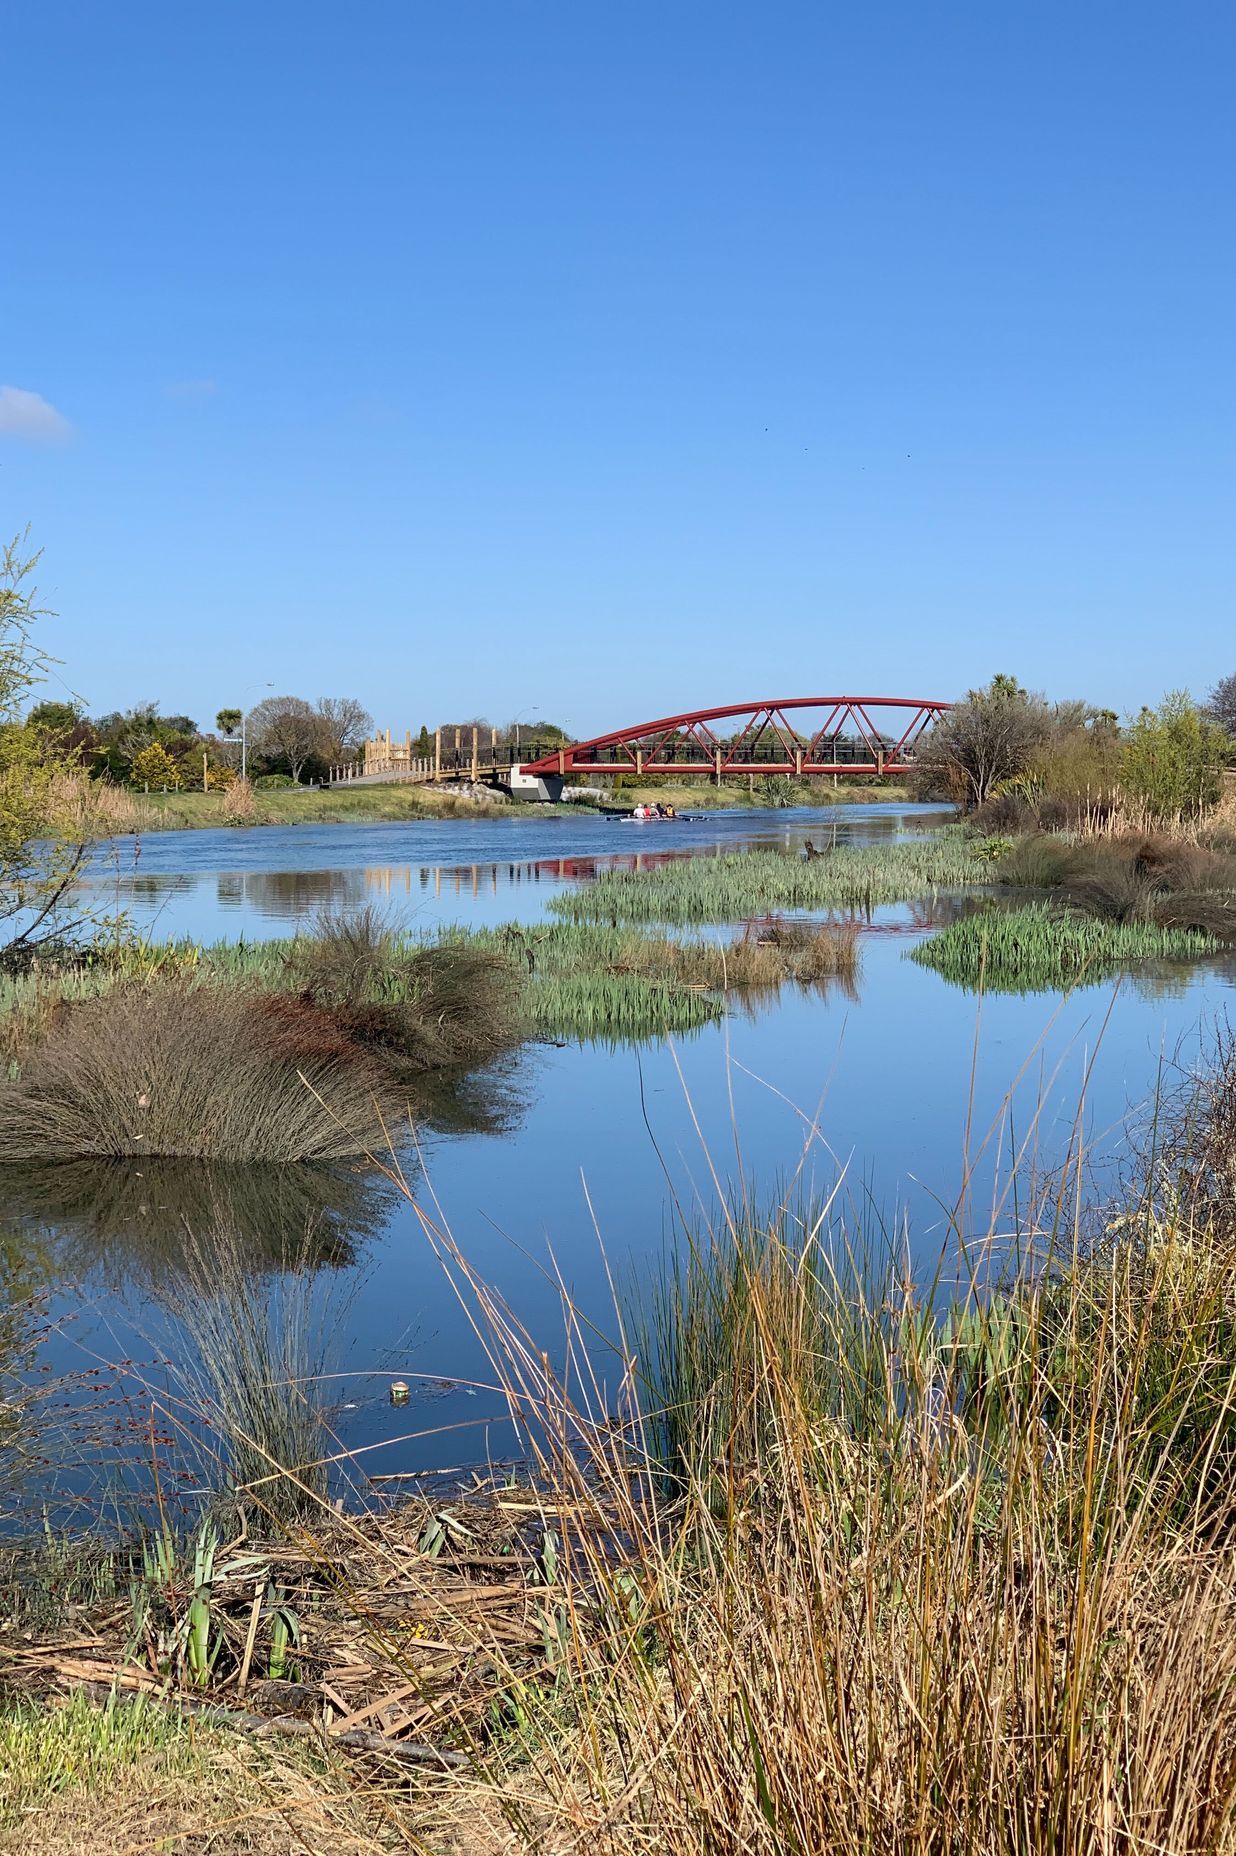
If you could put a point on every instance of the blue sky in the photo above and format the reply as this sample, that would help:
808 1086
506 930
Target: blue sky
602 361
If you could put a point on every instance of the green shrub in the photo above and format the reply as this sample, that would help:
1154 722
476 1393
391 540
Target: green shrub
273 782
1174 758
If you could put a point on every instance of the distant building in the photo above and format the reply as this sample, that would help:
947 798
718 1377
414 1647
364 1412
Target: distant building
382 755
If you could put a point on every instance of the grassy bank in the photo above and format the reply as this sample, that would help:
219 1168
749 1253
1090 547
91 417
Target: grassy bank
116 1777
706 796
186 811
307 805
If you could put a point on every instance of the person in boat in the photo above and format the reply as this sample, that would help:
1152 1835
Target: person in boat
668 812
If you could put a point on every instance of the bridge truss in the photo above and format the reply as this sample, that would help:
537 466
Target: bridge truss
799 735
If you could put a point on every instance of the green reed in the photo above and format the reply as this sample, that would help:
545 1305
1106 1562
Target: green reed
746 883
1040 949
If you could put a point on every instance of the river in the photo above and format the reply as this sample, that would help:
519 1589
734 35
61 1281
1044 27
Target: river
562 1169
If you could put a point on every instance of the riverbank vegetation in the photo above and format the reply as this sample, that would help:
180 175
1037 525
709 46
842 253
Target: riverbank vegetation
1039 949
742 884
774 791
1058 764
1103 904
172 1052
311 805
317 1048
843 1561
186 810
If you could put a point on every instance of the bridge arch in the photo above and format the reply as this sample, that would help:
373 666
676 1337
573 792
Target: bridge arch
851 735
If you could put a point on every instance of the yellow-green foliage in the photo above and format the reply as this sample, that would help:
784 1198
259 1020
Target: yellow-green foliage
1174 758
82 1746
1079 766
154 766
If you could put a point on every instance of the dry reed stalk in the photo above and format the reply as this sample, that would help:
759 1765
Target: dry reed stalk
911 1588
239 803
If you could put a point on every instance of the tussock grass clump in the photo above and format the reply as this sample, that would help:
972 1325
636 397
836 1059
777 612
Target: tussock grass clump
177 1069
257 1350
272 1053
1155 877
732 888
425 1005
1189 1151
1041 949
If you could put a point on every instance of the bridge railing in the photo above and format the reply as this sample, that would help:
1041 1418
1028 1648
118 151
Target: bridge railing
449 761
845 751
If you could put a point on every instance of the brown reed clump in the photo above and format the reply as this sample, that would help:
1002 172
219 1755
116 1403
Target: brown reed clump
239 803
423 1006
178 1069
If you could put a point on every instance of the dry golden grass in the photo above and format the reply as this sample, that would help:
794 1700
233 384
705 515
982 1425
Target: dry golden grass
1127 818
239 804
888 1583
86 808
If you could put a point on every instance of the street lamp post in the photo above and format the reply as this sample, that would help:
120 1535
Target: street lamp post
523 716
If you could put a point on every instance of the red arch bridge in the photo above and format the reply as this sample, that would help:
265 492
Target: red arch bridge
850 735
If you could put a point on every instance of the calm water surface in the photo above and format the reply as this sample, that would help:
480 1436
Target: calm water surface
563 1158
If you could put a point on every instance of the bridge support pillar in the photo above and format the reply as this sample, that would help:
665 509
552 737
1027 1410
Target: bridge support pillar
476 754
437 753
716 762
798 762
546 787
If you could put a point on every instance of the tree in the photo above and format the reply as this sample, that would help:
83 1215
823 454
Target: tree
1077 764
346 725
121 736
988 738
40 858
55 718
288 729
154 766
228 721
424 743
1221 705
1174 758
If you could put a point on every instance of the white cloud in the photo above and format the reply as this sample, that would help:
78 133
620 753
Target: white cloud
29 415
